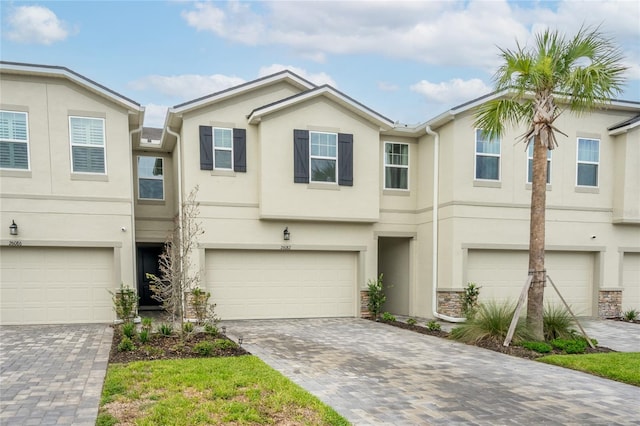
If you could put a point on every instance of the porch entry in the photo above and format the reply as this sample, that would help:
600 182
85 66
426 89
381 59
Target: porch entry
393 262
147 258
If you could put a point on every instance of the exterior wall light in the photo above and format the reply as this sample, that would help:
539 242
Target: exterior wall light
286 234
13 228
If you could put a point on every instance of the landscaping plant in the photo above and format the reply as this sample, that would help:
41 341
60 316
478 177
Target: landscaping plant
388 317
125 302
630 315
558 322
470 300
490 322
412 321
129 329
433 325
376 296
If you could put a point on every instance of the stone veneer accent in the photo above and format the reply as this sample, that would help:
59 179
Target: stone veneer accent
364 304
450 302
610 303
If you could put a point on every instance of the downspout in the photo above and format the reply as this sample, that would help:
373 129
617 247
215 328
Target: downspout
132 228
434 277
179 160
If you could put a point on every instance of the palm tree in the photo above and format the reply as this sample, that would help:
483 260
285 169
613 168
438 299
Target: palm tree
539 83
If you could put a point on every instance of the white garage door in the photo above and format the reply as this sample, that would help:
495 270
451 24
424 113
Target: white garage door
274 284
47 285
631 281
501 274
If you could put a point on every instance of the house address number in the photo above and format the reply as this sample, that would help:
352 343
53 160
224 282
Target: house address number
15 243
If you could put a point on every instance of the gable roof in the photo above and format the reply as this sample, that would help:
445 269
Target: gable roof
322 91
19 68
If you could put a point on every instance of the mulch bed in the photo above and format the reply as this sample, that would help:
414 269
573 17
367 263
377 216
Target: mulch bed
635 321
512 350
168 347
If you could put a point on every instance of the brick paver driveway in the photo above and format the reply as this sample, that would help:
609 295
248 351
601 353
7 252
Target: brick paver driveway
377 374
52 374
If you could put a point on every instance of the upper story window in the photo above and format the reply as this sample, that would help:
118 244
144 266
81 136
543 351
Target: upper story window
223 148
324 156
150 178
487 165
530 164
87 145
396 165
588 162
14 140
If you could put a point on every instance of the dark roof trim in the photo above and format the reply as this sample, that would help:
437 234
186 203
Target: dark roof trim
67 70
625 123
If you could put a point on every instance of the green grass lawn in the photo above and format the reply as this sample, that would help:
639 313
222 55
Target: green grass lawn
620 366
201 391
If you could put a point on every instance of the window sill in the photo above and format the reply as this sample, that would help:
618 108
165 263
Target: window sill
528 186
15 173
327 186
89 177
396 192
487 183
220 172
151 202
588 189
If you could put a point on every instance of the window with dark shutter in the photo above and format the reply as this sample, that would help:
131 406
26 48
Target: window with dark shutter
240 150
301 156
345 159
206 148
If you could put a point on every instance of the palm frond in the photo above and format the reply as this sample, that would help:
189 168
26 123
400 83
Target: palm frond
493 115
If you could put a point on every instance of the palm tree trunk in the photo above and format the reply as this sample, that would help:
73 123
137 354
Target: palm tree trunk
536 240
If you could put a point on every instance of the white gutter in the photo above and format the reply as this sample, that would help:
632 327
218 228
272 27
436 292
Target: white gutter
434 277
179 160
132 228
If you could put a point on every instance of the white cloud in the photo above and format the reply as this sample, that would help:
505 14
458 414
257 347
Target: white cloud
436 32
154 115
187 86
316 78
35 24
452 91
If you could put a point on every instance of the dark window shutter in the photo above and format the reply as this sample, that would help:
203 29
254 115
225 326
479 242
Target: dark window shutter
345 159
240 150
301 156
206 148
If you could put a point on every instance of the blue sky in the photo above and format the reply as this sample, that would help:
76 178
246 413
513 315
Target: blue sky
409 61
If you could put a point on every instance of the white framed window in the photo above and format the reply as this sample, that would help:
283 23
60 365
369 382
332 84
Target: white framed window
88 154
487 164
222 148
530 164
323 156
396 165
150 178
14 140
588 162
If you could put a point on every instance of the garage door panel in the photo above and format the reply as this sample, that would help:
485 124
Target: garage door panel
501 274
46 285
269 284
631 281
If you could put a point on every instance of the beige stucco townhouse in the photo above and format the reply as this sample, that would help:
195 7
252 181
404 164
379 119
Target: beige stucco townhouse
65 156
305 194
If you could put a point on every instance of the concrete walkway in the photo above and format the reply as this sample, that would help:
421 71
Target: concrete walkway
52 374
375 374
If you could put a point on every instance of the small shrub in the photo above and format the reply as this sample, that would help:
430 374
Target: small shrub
223 344
143 336
376 296
203 348
570 346
146 323
211 329
166 329
152 351
179 347
433 325
129 330
187 327
412 321
490 322
200 304
630 315
540 347
470 300
387 317
126 345
125 302
556 322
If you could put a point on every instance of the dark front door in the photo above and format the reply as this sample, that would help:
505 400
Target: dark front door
148 256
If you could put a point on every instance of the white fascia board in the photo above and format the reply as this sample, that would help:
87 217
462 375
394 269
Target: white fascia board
62 72
624 129
242 88
328 92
